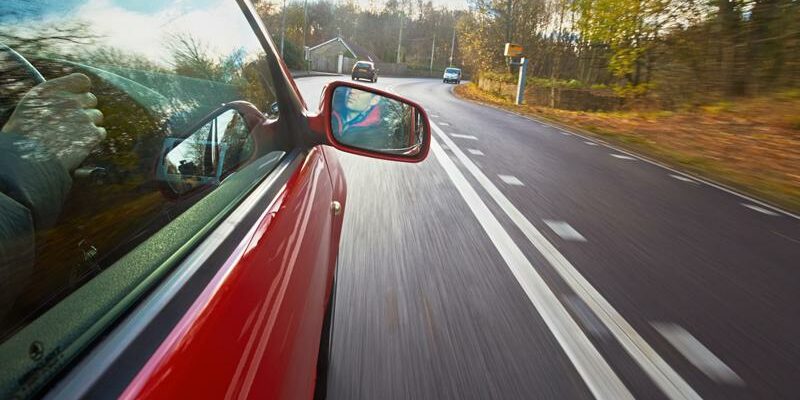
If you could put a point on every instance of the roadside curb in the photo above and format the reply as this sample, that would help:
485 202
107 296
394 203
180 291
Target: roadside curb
305 74
584 134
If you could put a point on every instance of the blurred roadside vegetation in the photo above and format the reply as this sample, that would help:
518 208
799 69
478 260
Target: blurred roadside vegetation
668 52
374 27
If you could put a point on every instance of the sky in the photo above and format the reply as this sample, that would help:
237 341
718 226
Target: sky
144 27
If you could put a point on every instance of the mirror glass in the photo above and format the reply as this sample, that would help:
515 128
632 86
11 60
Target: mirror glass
207 155
369 121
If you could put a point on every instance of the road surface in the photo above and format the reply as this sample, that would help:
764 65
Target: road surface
523 261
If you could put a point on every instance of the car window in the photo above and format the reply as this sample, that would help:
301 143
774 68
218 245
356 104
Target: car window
363 65
122 122
452 70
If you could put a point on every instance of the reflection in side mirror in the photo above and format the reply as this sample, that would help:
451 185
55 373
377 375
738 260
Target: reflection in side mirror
274 111
369 121
206 155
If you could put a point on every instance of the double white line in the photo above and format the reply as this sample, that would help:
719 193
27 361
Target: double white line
590 364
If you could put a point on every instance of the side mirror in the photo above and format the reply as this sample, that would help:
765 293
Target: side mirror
203 156
367 121
274 111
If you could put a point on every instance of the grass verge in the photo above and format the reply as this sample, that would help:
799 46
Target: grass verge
752 146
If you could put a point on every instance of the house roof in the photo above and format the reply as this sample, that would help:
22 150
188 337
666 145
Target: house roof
354 49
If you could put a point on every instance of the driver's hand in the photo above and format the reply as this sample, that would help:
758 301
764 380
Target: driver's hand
61 117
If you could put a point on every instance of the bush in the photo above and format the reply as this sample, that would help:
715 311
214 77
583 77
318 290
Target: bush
292 55
499 77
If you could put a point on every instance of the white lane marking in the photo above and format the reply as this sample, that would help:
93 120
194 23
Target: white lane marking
475 152
590 143
760 209
565 230
590 364
653 365
622 157
434 116
697 354
460 136
565 133
707 181
511 180
786 237
684 179
444 124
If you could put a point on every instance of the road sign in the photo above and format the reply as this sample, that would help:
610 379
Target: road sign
512 50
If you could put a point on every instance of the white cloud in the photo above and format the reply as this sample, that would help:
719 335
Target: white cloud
220 26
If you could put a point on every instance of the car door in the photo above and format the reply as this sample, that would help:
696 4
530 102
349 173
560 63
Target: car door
258 322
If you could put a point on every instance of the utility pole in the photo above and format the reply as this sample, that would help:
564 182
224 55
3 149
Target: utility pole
283 26
400 39
509 19
453 44
305 14
433 48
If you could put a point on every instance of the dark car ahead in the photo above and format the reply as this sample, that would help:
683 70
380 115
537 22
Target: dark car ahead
170 210
365 70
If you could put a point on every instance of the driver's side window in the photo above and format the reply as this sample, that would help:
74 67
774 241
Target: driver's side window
120 147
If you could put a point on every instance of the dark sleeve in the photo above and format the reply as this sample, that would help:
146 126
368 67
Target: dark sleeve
33 178
16 251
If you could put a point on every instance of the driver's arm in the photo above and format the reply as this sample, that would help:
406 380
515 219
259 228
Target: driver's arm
52 130
50 133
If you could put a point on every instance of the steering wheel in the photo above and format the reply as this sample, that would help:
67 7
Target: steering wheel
18 77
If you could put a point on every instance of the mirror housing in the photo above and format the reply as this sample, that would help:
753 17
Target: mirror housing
322 124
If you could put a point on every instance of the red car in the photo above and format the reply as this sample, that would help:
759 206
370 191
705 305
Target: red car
170 210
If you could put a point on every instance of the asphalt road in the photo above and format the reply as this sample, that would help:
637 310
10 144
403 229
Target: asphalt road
521 261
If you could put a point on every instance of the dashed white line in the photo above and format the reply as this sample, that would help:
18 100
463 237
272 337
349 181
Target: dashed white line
460 136
601 380
475 152
565 230
697 354
664 376
444 124
760 209
622 157
684 179
565 133
511 180
590 143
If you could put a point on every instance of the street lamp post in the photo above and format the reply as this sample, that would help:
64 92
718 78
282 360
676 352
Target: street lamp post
453 44
400 39
305 24
433 48
283 26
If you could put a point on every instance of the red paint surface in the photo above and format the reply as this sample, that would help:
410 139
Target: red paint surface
254 331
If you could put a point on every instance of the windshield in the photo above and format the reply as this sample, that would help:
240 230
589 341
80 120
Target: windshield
363 65
452 71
